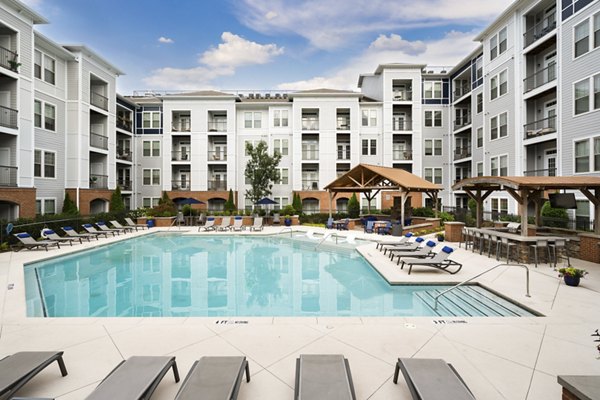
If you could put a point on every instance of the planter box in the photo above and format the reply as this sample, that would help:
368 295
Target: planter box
163 221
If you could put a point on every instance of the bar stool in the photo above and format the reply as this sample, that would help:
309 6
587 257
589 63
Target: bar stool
492 239
485 237
554 249
477 238
500 244
536 246
466 237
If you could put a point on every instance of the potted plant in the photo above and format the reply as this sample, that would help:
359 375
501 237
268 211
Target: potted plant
287 220
572 275
440 237
14 65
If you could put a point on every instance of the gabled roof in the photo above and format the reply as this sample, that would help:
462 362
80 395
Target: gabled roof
529 182
80 48
365 178
325 92
23 8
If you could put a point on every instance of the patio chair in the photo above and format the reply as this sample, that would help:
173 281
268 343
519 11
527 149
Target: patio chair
423 252
214 378
135 378
323 377
276 219
432 379
50 234
419 243
238 224
394 242
132 224
103 227
385 230
329 223
117 225
69 231
90 229
18 369
257 225
343 226
225 224
368 228
439 261
209 225
28 242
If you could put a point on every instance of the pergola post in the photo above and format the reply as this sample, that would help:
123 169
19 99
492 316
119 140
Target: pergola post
595 200
330 201
403 202
524 213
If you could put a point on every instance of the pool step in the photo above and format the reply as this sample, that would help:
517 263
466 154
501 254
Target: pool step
470 301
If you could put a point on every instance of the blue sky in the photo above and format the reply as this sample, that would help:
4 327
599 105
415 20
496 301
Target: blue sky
264 44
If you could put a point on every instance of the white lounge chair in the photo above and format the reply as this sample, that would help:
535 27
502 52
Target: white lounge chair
225 224
238 224
209 225
90 229
50 234
438 261
393 242
257 225
132 224
69 231
117 225
104 228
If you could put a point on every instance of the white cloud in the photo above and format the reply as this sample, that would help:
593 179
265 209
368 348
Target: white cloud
396 43
165 40
234 52
270 15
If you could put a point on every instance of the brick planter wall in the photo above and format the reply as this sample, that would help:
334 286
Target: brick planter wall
589 249
453 231
24 197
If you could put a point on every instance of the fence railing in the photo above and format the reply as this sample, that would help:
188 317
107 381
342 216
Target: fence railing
124 124
217 126
8 117
181 185
402 95
180 156
540 30
402 155
461 122
460 91
343 124
8 176
124 154
9 59
217 155
540 172
124 184
98 100
310 184
98 181
539 78
310 124
401 124
98 141
462 152
310 155
217 185
539 128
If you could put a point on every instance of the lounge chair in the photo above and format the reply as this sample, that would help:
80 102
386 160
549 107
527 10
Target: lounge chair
393 242
104 228
419 243
50 234
439 261
30 243
368 228
225 224
135 378
432 379
132 224
69 231
214 378
276 219
323 377
209 225
90 229
257 225
423 252
238 224
117 225
20 368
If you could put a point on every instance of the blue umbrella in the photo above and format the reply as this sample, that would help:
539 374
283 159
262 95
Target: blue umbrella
266 201
189 201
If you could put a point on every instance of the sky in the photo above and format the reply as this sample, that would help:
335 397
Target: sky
264 44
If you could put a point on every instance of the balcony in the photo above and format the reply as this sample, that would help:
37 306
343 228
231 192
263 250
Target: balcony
9 59
541 127
216 155
98 141
217 126
124 154
182 185
8 117
310 184
308 155
217 185
180 156
402 95
539 30
540 172
461 90
98 100
125 124
98 181
402 155
401 124
462 121
462 152
125 184
310 123
8 176
343 123
539 78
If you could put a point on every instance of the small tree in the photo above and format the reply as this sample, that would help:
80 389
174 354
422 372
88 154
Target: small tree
116 201
165 207
69 206
229 204
353 207
261 171
297 203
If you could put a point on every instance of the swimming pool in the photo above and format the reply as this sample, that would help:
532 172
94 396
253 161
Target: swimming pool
181 275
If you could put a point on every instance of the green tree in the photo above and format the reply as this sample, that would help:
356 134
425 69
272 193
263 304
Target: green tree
116 201
69 206
261 171
165 208
297 203
353 207
229 204
554 217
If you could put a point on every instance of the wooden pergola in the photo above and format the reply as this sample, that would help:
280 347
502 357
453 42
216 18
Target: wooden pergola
526 189
372 179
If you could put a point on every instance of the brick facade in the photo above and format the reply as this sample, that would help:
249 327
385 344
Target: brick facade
23 197
387 200
589 249
86 196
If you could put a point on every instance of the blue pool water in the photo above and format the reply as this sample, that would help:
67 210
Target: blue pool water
174 275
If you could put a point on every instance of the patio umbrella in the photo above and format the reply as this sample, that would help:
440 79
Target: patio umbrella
189 201
265 201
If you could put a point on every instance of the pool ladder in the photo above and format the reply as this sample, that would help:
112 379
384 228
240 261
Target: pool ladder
482 273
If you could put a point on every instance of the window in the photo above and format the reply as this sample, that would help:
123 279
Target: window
582 97
597 154
48 115
369 118
494 128
499 126
37 114
479 103
281 202
45 206
151 177
499 43
151 148
503 124
44 164
37 65
503 165
494 166
582 156
433 147
151 119
148 202
280 146
499 166
597 30
582 42
480 137
433 175
49 69
369 147
479 69
432 90
493 88
503 82
283 176
597 92
433 118
493 47
479 169
252 119
280 118
499 206
498 86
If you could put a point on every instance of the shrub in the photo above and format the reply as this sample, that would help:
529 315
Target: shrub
423 212
472 204
554 217
446 217
297 203
288 210
69 206
353 207
116 201
229 204
165 208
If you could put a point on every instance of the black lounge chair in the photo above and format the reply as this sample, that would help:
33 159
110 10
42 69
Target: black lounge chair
217 378
134 379
20 368
439 261
323 377
26 241
432 379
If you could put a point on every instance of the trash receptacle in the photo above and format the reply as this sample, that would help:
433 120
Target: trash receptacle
396 229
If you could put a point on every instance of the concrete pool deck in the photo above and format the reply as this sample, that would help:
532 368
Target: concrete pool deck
499 358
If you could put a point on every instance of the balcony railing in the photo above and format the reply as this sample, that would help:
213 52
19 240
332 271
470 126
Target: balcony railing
8 176
96 99
217 126
461 90
402 95
401 124
343 154
462 152
310 184
124 184
539 78
124 124
310 124
402 155
540 172
217 155
124 154
182 185
9 59
180 156
540 29
541 127
463 121
98 141
98 181
310 154
181 124
217 185
9 117
343 124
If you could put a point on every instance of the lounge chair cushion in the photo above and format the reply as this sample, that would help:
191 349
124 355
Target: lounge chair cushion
431 243
409 234
447 249
23 235
419 240
324 376
212 378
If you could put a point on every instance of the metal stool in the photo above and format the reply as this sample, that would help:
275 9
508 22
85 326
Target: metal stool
500 244
465 237
492 239
477 238
555 247
540 244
